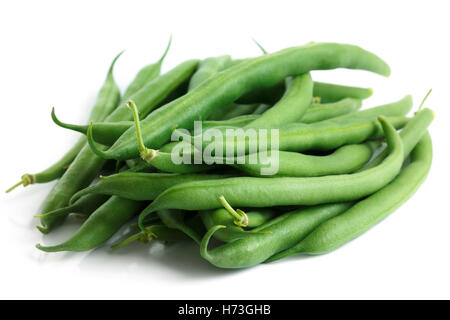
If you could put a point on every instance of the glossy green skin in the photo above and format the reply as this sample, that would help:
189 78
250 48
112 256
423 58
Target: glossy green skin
100 226
163 161
297 137
99 112
232 83
107 133
346 159
325 111
175 219
261 192
140 186
222 217
365 214
410 135
328 92
87 165
394 109
145 75
291 107
289 230
155 91
239 110
84 205
208 68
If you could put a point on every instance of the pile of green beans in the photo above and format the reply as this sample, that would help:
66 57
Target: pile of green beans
338 170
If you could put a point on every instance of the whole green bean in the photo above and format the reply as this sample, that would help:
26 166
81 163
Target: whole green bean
140 186
339 230
100 226
101 109
288 230
232 83
261 192
291 107
345 159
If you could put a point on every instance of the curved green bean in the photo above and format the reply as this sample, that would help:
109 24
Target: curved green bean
261 192
339 230
232 83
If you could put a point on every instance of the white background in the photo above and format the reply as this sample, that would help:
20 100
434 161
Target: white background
56 53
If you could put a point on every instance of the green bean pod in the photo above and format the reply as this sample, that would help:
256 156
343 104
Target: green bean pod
291 107
295 137
145 75
140 186
84 205
288 230
221 217
261 192
395 109
232 83
208 68
325 111
327 92
108 132
104 105
346 159
100 226
365 214
87 165
175 219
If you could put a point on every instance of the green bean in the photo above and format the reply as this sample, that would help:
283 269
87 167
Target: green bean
232 83
100 226
140 186
146 75
208 68
296 137
249 251
233 232
291 107
79 175
325 111
102 108
261 192
345 159
86 165
175 219
328 92
106 133
410 134
339 230
394 109
84 205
